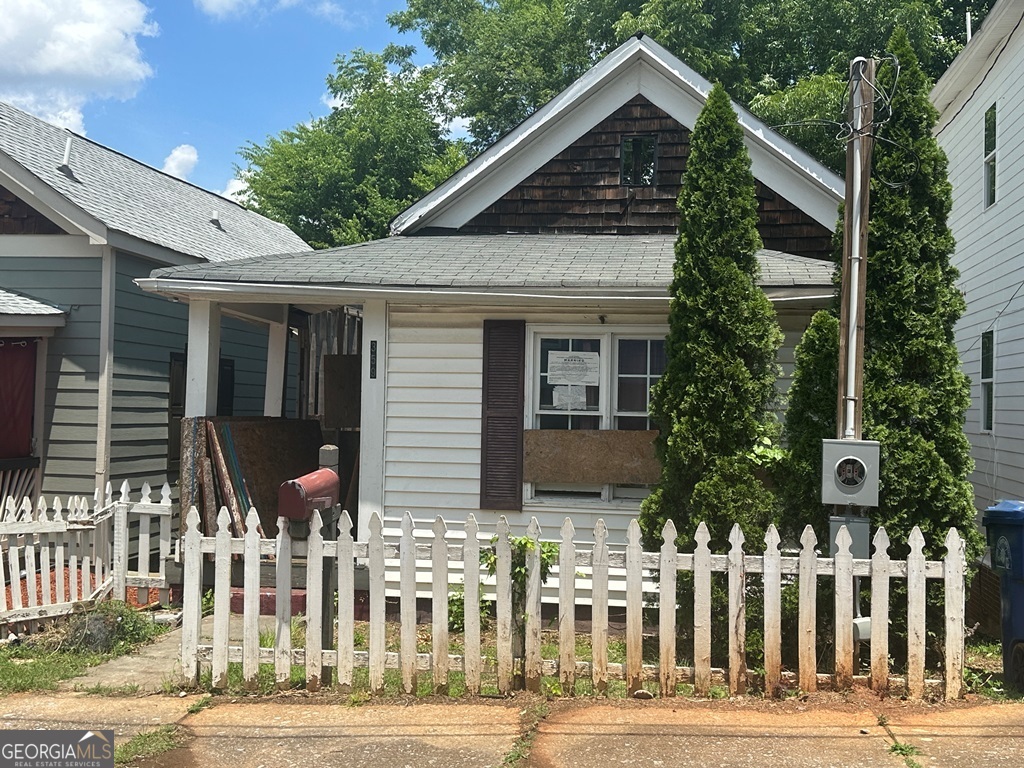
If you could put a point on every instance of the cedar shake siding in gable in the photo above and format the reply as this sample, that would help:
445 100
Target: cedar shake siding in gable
19 218
579 191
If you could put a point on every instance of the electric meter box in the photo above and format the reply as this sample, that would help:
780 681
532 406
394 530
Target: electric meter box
849 472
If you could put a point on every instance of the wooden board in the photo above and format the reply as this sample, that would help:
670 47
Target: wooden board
590 456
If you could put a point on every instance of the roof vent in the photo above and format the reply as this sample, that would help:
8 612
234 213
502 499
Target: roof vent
215 219
65 165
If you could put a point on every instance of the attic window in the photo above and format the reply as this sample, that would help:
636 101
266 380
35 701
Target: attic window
639 155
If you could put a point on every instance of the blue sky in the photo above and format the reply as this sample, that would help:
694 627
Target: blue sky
145 77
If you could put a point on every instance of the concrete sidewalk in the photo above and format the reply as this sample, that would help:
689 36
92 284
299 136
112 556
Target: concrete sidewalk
296 729
823 730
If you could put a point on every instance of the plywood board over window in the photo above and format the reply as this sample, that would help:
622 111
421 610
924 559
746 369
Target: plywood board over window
590 456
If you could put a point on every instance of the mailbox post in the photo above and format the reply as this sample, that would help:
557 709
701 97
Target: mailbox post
296 501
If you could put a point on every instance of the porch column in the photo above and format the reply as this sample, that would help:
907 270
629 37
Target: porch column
371 415
277 359
203 365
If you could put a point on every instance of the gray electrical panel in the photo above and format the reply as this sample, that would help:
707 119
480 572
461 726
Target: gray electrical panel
849 472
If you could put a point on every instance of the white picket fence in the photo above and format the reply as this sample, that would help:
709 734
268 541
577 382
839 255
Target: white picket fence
596 558
57 559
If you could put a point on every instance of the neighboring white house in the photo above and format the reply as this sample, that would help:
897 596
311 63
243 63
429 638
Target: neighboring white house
78 223
980 100
515 319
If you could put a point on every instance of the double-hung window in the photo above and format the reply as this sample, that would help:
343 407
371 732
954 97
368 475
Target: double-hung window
990 156
582 378
987 380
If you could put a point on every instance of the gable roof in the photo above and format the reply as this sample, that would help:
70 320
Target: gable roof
523 266
977 59
637 67
114 199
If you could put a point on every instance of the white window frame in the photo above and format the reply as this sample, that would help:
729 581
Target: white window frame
988 175
608 335
988 394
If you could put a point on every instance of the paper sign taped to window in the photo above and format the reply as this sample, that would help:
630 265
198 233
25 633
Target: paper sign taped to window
570 397
574 368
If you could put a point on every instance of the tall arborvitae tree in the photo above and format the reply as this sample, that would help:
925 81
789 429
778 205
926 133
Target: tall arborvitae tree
713 404
915 394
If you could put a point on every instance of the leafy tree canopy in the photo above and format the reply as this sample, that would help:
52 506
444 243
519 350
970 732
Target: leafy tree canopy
340 179
499 60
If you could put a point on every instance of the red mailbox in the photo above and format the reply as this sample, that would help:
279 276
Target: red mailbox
296 499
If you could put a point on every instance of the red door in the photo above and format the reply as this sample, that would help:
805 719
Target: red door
17 396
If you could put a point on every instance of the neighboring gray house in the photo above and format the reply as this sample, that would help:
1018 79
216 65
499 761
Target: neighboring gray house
79 222
980 99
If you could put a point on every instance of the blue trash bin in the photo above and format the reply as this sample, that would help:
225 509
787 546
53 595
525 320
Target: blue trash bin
1004 527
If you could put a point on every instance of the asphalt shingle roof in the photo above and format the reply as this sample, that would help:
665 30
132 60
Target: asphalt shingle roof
493 262
133 198
16 304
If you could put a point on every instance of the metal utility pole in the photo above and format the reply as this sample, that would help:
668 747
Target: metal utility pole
855 247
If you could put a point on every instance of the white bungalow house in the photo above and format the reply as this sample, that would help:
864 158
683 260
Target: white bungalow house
514 320
92 369
981 117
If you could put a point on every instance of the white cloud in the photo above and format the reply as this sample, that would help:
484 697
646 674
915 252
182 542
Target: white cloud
60 54
331 101
330 10
181 161
235 189
221 9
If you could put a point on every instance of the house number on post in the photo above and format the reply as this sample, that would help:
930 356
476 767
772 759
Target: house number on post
373 359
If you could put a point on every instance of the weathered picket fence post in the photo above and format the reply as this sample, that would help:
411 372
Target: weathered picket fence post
667 565
191 605
737 614
375 550
532 660
503 596
772 581
702 612
439 607
314 605
843 592
880 612
634 609
407 607
283 606
251 602
222 599
916 601
599 623
471 592
954 566
567 610
808 611
346 603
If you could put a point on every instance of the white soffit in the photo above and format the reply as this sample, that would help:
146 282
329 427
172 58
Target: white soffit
637 67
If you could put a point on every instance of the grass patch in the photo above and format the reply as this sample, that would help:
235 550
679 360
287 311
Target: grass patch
531 719
128 689
68 648
147 744
198 706
983 669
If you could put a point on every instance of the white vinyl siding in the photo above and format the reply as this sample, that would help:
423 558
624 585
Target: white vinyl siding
989 255
432 417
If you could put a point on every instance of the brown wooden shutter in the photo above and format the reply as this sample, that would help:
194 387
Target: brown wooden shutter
501 450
